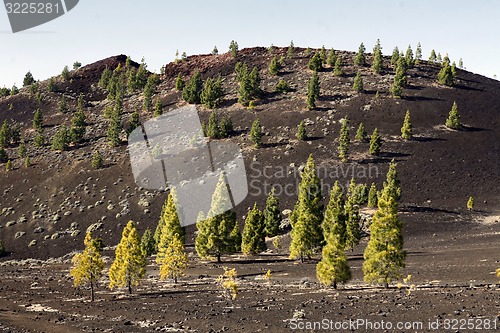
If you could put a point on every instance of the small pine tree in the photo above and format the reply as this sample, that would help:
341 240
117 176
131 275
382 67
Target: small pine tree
39 140
77 130
361 133
158 110
418 53
332 58
233 48
358 82
395 57
38 120
63 105
213 129
61 139
4 134
175 261
377 58
256 133
344 140
453 120
432 57
372 196
22 151
218 234
375 143
28 79
129 265
409 56
274 66
334 221
460 63
97 161
360 59
27 162
352 230
215 51
168 227
114 129
88 265
148 244
301 131
290 50
134 122
179 83
212 93
191 92
272 215
407 129
337 70
439 59
313 91
65 73
8 166
253 238
470 203
333 267
282 87
315 63
445 75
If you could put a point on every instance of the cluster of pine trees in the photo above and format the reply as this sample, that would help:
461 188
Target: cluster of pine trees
209 93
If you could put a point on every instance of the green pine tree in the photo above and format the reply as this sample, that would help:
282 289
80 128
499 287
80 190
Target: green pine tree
78 126
179 83
61 139
445 75
360 59
332 58
212 93
313 91
301 131
384 255
409 56
352 230
333 267
114 129
418 54
97 161
274 66
407 129
213 129
337 70
377 58
253 238
395 57
315 63
334 221
129 265
361 133
256 133
233 48
306 218
358 82
272 214
63 105
88 265
65 73
372 196
5 134
158 110
38 120
392 184
191 92
375 143
134 122
175 261
432 57
453 120
344 140
218 233
148 244
168 227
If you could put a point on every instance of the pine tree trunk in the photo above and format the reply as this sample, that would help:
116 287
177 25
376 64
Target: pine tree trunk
175 279
129 287
218 258
91 291
386 285
334 284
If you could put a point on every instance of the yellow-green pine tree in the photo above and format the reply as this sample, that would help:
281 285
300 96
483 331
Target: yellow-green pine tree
470 203
254 234
171 226
175 260
407 129
129 265
333 267
88 265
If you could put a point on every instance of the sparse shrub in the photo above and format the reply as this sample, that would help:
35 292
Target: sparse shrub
407 129
453 120
97 161
470 203
228 283
301 131
256 133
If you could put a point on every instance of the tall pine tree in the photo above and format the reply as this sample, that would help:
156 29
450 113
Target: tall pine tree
253 239
272 214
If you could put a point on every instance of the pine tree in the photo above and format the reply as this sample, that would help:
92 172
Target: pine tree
438 59
129 265
337 70
4 134
315 63
272 214
301 131
77 131
375 143
334 221
313 91
282 87
215 51
218 234
168 227
61 139
226 127
372 196
400 79
384 254
290 50
409 56
22 151
27 162
344 140
352 230
445 75
407 129
322 54
253 238
191 92
179 83
158 110
38 120
332 58
470 203
148 244
213 129
114 129
88 265
134 122
3 155
175 260
212 93
274 66
454 69
28 79
453 120
418 53
97 161
360 59
392 184
63 105
307 215
65 73
358 82
377 58
395 57
361 133
8 166
333 267
39 140
233 48
256 133
460 63
432 57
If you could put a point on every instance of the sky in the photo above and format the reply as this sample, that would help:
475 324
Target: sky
155 29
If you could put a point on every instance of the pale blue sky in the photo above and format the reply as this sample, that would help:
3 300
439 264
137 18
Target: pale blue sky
156 28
